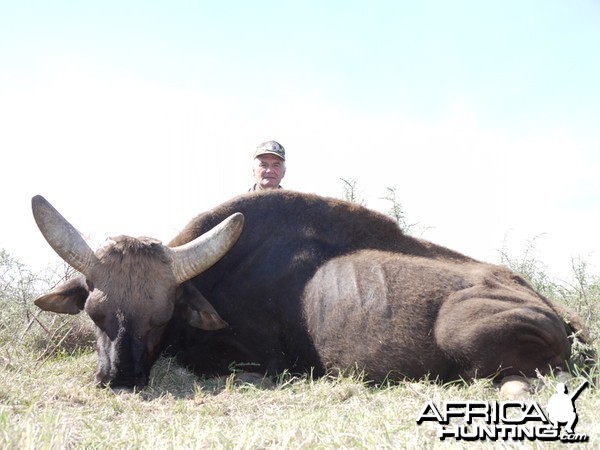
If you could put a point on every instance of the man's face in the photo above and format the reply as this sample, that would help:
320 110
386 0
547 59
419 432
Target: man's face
268 171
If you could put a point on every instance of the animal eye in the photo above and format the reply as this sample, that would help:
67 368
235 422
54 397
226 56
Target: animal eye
95 312
98 319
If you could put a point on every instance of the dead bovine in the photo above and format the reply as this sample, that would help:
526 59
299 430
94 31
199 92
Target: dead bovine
311 285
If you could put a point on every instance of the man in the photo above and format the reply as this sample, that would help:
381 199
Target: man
269 166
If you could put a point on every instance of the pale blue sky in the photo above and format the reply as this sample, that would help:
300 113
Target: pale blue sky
521 61
134 116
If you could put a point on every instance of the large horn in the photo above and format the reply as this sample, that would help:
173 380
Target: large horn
62 236
198 255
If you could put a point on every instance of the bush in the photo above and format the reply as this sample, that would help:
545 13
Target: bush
23 326
581 293
16 290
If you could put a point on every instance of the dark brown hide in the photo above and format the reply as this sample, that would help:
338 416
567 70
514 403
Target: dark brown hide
312 285
317 284
419 316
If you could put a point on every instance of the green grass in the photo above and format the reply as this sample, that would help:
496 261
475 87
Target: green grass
48 399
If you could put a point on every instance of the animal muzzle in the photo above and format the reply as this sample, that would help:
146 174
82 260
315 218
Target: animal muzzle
121 381
122 363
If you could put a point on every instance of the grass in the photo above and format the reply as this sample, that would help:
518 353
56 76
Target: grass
48 399
57 406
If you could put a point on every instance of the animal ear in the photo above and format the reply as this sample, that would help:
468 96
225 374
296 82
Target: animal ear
67 298
203 319
198 311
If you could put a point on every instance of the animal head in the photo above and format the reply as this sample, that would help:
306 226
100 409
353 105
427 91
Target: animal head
129 289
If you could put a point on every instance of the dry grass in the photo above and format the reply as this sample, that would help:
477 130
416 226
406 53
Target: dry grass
55 405
48 400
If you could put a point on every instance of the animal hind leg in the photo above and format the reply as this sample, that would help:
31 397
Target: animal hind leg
486 336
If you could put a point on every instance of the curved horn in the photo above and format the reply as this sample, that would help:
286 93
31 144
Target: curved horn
193 258
62 236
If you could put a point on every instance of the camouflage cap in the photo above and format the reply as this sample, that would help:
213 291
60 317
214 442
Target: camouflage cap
272 148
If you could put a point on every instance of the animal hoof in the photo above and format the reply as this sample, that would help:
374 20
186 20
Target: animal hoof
515 388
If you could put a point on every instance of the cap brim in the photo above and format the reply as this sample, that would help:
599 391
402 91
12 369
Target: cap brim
266 152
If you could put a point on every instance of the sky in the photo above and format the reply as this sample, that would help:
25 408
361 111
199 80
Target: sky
132 117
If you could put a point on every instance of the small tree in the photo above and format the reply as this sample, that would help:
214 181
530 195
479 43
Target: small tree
395 211
17 287
350 193
583 293
21 323
531 268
